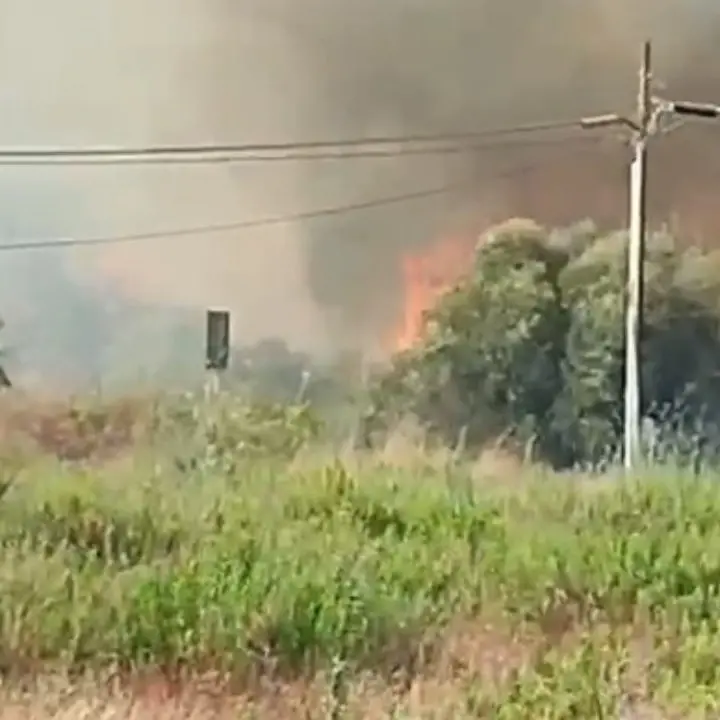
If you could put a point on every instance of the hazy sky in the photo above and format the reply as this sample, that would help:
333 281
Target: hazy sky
134 72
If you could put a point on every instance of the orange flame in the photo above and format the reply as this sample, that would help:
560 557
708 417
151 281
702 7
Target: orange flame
426 278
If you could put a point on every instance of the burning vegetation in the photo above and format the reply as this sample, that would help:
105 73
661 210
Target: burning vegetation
426 276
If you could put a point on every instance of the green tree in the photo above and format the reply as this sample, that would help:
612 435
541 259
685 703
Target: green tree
531 346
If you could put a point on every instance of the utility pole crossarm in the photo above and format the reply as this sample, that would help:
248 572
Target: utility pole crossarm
610 120
694 109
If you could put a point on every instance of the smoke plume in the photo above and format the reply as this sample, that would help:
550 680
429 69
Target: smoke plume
196 71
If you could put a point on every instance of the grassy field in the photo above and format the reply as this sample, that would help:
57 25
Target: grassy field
397 586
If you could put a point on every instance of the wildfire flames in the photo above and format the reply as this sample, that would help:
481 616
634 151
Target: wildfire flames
426 277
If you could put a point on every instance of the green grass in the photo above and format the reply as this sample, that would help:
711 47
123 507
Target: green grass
368 567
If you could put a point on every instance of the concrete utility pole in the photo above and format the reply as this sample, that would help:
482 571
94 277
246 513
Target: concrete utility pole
649 111
635 270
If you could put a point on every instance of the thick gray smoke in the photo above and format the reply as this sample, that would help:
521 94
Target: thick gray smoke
428 67
126 72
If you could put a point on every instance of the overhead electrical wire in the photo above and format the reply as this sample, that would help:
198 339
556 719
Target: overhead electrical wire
236 151
222 159
282 219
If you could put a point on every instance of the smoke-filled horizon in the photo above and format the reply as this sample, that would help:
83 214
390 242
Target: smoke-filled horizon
198 71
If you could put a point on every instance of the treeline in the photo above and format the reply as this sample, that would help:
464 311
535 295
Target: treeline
530 348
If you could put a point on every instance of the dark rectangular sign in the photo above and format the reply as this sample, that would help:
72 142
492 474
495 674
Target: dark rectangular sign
217 343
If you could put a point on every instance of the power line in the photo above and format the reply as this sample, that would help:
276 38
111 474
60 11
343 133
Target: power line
260 222
238 148
272 220
238 225
221 159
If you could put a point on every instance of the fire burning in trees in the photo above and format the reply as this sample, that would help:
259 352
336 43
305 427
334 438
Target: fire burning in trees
426 276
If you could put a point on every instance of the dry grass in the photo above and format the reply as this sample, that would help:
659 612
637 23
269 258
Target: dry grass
474 658
559 609
472 653
71 430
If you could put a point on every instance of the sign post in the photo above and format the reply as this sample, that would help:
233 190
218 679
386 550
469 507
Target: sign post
217 348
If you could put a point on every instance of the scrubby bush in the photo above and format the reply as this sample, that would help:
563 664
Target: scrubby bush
531 347
231 430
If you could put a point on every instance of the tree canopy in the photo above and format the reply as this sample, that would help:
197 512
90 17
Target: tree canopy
530 347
